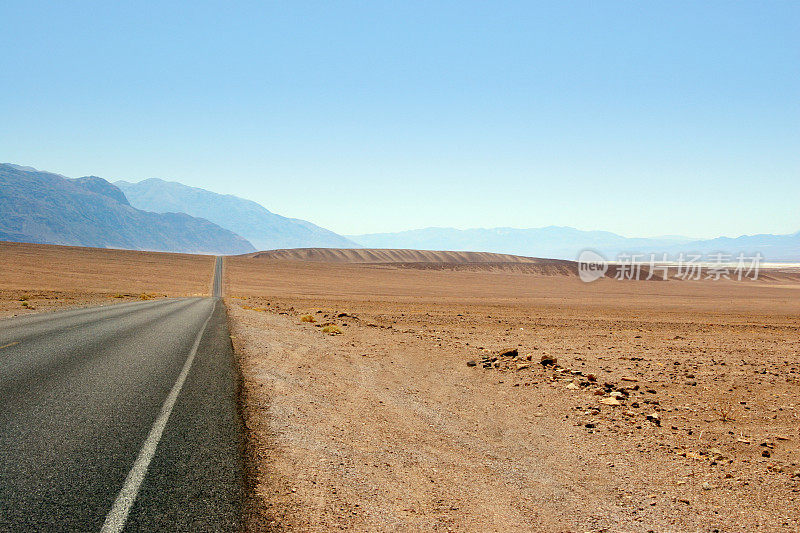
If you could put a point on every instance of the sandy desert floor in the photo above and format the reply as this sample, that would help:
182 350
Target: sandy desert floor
670 406
37 277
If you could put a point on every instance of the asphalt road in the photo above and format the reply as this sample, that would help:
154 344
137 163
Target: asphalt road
120 418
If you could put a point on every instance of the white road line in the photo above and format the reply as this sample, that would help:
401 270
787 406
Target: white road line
116 518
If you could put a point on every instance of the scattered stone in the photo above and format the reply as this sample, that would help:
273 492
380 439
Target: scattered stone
610 401
618 395
628 378
591 377
766 453
509 353
654 418
573 386
590 425
548 360
716 454
708 486
471 362
523 366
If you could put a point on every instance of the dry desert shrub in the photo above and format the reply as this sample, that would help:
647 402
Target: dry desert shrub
332 329
307 318
150 296
250 308
725 409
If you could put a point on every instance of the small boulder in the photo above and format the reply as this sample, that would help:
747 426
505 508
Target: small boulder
548 360
716 454
610 401
471 362
513 352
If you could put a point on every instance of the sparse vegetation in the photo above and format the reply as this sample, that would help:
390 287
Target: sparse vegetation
307 318
23 298
251 308
725 409
150 296
332 329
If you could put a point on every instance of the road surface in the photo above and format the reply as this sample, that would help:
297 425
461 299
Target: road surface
120 418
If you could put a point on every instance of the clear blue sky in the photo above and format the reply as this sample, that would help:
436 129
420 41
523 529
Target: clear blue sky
642 118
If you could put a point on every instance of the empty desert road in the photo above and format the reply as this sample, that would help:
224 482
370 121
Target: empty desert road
120 417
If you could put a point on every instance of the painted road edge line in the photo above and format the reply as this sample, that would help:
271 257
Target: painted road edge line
118 515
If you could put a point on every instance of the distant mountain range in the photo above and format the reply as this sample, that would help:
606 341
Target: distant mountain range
159 215
266 230
559 242
47 208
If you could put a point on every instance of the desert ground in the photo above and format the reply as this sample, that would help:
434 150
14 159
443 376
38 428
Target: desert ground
461 392
618 405
40 277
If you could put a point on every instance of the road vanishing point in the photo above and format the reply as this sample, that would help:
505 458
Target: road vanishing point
121 418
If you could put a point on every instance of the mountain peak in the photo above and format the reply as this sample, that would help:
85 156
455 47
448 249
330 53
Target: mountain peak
101 186
266 230
42 207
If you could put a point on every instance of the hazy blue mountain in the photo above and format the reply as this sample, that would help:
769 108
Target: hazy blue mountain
47 208
101 186
566 243
266 230
772 247
556 242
